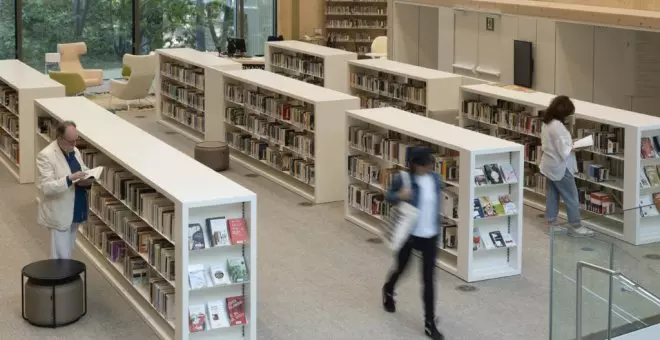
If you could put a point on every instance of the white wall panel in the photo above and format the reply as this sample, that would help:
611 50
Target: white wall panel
612 64
575 61
406 33
428 37
489 47
508 34
445 39
544 55
466 29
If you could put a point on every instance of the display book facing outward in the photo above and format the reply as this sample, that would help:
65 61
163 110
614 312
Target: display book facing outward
20 84
481 199
384 83
312 63
152 233
617 186
183 76
353 25
284 129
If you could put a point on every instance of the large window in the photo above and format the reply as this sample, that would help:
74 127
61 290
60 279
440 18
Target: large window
7 29
259 16
104 25
204 25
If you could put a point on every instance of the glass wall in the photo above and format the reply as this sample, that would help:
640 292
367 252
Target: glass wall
7 29
200 24
104 25
259 18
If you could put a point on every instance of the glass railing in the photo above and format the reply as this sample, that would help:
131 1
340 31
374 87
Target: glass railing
601 288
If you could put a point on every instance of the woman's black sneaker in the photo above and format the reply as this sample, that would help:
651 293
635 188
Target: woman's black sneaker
432 331
388 301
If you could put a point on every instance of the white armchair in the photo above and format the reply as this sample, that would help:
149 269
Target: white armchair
137 86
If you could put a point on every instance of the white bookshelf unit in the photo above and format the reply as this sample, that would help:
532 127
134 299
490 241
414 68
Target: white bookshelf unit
139 232
183 76
354 24
609 174
384 83
20 85
376 143
312 63
284 129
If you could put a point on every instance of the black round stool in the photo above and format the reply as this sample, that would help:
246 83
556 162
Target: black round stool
54 294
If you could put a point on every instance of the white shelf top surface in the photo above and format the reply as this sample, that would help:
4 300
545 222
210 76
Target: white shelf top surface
433 131
197 58
21 76
288 86
402 69
583 109
311 49
167 169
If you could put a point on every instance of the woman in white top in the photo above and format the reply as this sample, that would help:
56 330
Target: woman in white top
558 164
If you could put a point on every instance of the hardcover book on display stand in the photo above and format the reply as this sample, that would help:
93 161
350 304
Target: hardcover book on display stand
237 270
196 237
196 318
197 276
217 230
218 315
219 274
236 307
237 231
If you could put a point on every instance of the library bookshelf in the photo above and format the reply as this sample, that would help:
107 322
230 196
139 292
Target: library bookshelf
354 24
20 85
139 226
183 76
284 129
312 63
376 143
609 174
427 92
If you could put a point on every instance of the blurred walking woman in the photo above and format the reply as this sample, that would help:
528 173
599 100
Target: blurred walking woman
558 164
423 193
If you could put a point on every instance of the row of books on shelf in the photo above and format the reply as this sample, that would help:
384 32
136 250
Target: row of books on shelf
191 118
598 202
191 97
295 166
9 123
150 205
189 75
234 270
356 23
368 102
46 126
650 147
158 291
318 81
368 200
275 132
299 63
220 232
142 238
495 174
607 139
487 240
9 98
504 114
355 10
491 206
596 172
352 37
10 148
649 176
221 314
411 91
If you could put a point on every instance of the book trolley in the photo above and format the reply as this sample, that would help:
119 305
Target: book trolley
154 228
20 84
427 92
284 129
480 239
617 186
312 63
182 78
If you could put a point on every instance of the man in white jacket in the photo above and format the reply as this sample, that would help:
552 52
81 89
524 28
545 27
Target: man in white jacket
61 190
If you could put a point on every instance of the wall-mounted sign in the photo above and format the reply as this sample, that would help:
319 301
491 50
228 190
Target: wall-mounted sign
490 23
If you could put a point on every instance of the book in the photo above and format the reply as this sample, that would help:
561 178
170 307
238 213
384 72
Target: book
656 200
585 142
507 204
195 237
647 207
217 230
91 174
647 149
496 237
196 318
237 270
218 315
508 240
197 276
643 180
508 173
219 274
652 175
477 211
493 174
487 207
237 231
497 206
479 177
236 308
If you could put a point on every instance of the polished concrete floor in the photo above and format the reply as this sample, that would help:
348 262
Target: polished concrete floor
320 277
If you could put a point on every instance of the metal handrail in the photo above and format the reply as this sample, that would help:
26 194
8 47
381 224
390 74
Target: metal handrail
612 274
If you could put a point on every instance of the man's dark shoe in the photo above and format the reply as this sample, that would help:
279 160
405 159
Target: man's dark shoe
388 300
432 331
